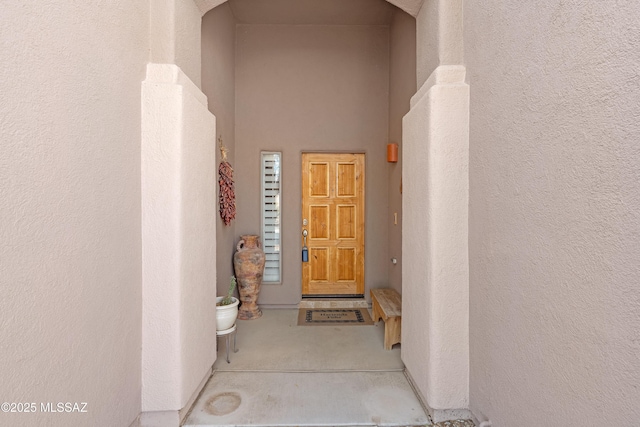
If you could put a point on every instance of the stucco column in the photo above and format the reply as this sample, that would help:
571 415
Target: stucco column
174 36
435 299
179 210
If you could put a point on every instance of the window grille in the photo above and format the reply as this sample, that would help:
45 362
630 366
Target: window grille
271 240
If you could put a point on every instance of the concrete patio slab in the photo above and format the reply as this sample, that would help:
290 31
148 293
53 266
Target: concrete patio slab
307 399
276 343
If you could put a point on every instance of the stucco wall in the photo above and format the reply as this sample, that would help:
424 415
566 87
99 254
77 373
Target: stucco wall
178 237
554 212
435 271
402 78
312 88
174 35
435 275
218 83
70 272
439 35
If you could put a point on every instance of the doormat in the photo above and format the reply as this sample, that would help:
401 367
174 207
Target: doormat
333 316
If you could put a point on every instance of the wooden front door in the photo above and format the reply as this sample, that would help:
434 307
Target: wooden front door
333 215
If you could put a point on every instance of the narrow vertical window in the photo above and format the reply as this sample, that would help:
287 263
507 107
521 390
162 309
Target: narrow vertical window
271 188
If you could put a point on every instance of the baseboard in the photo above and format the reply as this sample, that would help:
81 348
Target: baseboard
160 419
439 415
172 418
136 422
187 408
456 423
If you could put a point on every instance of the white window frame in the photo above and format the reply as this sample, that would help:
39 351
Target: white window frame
268 277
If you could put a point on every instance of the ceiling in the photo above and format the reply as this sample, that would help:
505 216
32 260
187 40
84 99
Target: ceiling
313 12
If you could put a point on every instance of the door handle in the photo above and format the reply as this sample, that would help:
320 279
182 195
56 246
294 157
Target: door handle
305 250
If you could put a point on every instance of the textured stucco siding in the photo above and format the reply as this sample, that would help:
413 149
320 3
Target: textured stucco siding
554 211
70 246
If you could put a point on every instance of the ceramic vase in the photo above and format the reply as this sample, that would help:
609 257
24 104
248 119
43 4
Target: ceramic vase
248 262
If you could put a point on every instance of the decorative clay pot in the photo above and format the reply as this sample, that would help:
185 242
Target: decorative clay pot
248 262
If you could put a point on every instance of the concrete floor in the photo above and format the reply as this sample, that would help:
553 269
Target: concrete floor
289 375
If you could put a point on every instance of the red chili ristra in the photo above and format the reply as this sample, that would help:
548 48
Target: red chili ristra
227 194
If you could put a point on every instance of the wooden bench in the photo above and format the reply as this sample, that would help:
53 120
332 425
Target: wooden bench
386 305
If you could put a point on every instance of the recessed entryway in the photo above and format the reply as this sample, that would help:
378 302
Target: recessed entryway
301 86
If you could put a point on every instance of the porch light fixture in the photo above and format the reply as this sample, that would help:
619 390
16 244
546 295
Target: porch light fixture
392 153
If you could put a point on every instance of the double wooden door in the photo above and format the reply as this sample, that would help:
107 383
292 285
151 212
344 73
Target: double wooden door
333 216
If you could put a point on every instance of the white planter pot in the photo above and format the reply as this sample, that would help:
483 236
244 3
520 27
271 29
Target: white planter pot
226 314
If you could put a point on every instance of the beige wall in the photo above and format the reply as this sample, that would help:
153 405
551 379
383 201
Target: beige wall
218 83
312 88
174 35
554 212
439 35
70 245
402 86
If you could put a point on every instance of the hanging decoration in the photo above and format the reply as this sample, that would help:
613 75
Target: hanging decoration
227 193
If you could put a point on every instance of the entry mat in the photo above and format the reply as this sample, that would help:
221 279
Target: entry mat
333 316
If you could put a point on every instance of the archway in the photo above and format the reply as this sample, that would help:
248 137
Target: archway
434 250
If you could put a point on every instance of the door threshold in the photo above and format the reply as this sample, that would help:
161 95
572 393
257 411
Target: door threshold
333 303
332 297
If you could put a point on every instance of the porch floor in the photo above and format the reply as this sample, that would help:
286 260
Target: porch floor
289 375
